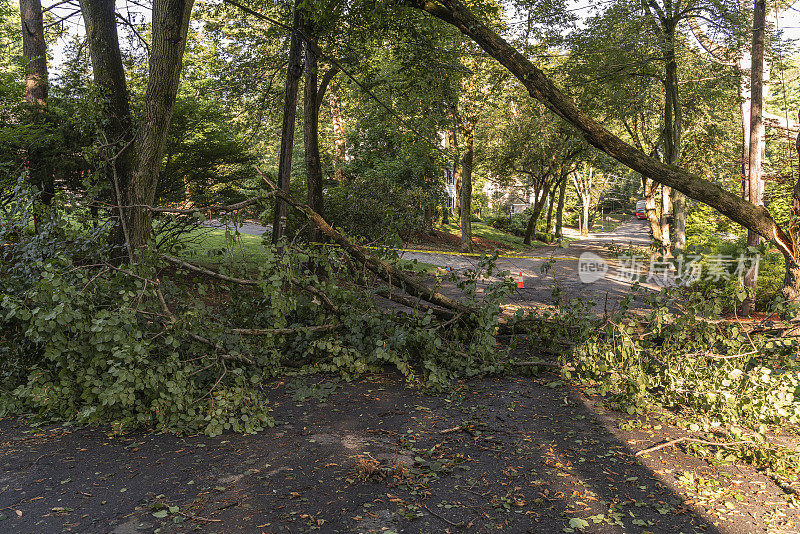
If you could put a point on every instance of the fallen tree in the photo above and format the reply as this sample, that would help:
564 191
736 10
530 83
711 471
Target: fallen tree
540 87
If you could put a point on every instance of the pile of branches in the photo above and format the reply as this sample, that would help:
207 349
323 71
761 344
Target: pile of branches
172 343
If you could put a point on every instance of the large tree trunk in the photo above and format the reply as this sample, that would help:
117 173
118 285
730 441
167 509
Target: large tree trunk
110 81
293 72
560 211
136 161
170 25
650 207
756 135
466 191
34 52
339 146
311 136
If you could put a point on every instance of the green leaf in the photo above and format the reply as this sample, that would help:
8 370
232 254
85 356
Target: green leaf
577 522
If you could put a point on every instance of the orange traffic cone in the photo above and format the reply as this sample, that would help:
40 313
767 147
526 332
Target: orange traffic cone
520 282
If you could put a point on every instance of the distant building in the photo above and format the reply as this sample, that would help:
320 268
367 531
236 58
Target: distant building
509 198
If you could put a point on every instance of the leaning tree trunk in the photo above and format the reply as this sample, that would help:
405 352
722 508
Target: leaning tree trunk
756 135
293 72
34 52
547 92
466 191
560 211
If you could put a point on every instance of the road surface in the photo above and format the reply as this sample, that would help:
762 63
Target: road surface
561 268
550 269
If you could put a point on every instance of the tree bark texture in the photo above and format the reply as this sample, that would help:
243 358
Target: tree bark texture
754 182
466 190
34 53
293 72
135 164
562 193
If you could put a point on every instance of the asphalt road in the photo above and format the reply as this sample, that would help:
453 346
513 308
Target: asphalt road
552 268
558 268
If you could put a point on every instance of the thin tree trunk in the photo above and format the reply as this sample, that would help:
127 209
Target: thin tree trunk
560 211
550 201
293 72
674 126
538 206
585 200
311 136
466 191
664 212
745 64
756 135
679 219
457 177
339 146
34 52
791 281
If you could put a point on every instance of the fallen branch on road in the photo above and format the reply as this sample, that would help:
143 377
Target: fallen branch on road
692 440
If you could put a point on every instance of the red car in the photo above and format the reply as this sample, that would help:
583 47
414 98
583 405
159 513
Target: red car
641 210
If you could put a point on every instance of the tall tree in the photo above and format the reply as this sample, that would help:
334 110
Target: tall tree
313 95
754 175
34 52
294 71
135 164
